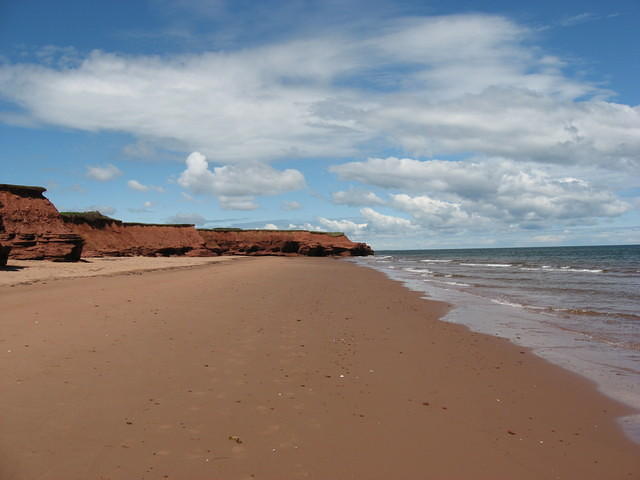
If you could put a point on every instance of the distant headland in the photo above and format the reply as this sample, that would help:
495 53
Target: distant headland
31 228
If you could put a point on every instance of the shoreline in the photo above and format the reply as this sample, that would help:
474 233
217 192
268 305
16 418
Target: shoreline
283 368
614 373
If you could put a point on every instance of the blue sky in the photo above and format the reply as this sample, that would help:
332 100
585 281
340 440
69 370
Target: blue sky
404 124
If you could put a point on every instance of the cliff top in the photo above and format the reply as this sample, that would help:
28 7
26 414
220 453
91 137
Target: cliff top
230 229
95 216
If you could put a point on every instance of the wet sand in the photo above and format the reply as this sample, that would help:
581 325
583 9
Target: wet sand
281 368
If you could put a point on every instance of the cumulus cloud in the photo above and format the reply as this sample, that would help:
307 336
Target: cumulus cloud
136 185
471 194
235 186
521 124
140 187
305 226
347 226
542 146
356 197
372 224
434 213
434 85
386 223
103 173
375 222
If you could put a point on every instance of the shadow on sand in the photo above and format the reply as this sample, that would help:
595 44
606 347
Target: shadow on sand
11 268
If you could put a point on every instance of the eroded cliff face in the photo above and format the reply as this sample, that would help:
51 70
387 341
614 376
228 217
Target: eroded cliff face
33 228
106 236
282 242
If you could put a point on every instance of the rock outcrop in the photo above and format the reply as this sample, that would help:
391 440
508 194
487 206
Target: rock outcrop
33 228
231 241
105 236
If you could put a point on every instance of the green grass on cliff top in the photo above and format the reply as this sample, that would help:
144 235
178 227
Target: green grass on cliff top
96 215
93 215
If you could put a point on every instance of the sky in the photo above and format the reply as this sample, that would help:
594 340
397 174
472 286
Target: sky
405 124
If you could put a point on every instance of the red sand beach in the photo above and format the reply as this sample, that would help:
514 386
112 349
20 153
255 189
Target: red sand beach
281 368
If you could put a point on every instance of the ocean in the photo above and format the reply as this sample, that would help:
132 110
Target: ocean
578 307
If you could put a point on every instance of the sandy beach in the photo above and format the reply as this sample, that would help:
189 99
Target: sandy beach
22 272
278 368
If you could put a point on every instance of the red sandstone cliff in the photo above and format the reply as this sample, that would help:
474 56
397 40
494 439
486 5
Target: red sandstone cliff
106 236
282 242
32 227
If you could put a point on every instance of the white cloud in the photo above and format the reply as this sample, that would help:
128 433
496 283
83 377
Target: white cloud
347 226
542 146
446 84
471 194
356 197
270 226
375 223
237 203
136 185
469 178
386 223
305 226
518 123
103 173
434 213
236 185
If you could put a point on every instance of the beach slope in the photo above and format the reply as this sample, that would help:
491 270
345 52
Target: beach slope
281 368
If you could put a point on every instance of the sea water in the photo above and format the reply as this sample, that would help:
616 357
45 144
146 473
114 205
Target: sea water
578 307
